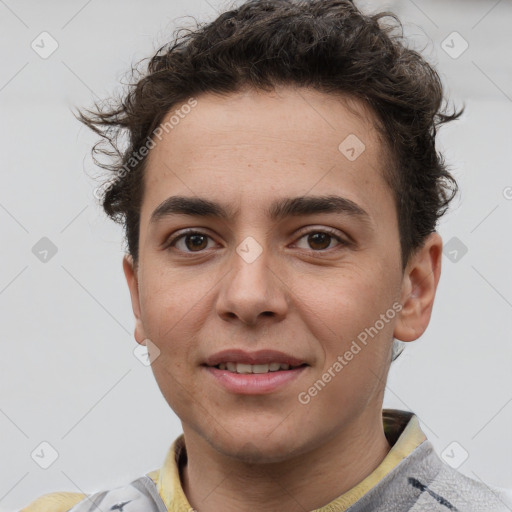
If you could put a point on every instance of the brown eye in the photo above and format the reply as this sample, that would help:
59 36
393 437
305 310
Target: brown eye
320 240
196 241
192 241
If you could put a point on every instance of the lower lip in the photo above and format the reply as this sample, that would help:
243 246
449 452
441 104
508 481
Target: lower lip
254 383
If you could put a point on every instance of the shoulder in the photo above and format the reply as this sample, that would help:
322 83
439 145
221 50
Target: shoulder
140 495
475 492
465 493
54 502
426 483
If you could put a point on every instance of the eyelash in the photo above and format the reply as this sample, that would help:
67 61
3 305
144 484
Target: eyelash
333 233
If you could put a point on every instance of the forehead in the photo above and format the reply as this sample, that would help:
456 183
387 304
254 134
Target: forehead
284 115
261 144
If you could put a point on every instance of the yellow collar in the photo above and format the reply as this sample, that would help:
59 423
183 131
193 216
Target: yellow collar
402 431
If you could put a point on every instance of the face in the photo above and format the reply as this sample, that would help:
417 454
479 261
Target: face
272 281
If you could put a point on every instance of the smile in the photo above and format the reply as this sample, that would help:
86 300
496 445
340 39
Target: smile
254 368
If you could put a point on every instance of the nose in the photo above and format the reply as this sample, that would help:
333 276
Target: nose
253 289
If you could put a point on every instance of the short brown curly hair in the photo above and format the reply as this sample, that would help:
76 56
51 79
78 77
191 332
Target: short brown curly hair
329 45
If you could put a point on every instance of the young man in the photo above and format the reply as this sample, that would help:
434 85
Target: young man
280 195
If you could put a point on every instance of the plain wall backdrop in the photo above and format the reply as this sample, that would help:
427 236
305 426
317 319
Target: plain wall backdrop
68 375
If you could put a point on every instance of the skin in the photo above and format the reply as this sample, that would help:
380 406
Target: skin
307 299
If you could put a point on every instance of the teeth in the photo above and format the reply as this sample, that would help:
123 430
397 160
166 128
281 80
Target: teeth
253 368
260 368
243 368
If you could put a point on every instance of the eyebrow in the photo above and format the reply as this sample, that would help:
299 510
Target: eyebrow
279 209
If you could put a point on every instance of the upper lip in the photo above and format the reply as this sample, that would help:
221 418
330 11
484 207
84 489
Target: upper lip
259 357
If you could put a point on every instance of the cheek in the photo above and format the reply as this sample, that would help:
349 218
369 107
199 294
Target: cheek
345 317
178 391
168 302
345 302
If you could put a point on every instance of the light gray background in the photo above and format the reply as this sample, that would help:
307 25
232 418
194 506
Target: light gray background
67 372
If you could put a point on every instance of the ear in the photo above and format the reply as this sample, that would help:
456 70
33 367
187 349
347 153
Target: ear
419 286
132 279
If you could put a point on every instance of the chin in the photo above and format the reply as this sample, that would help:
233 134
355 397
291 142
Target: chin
251 452
258 445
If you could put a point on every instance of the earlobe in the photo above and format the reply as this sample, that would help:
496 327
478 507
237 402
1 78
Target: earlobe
419 286
133 285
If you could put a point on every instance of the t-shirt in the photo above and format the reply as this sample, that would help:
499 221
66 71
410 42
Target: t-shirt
411 478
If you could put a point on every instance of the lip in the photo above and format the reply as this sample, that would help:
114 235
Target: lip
254 383
258 357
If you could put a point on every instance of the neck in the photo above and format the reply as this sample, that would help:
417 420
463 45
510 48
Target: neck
213 482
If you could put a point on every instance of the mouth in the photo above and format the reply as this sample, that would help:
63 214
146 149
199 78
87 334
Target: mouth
254 373
246 368
262 361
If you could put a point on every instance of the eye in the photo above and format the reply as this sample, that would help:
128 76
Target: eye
193 241
320 239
